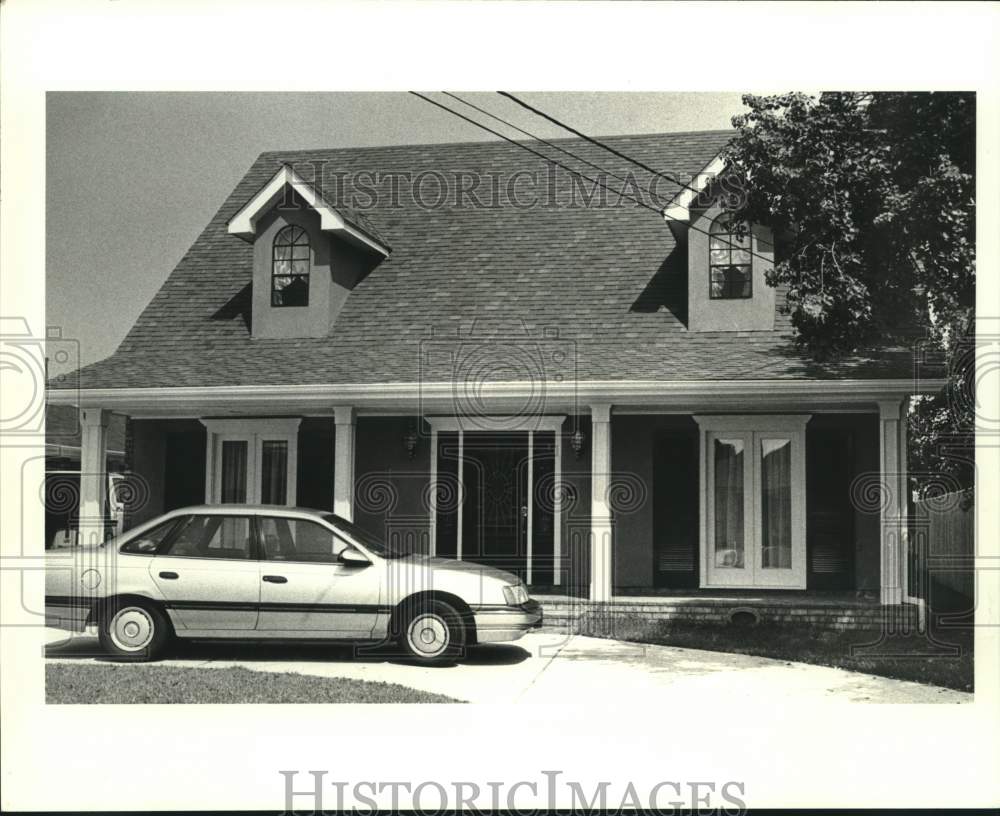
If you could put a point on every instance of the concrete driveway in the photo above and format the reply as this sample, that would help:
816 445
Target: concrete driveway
551 667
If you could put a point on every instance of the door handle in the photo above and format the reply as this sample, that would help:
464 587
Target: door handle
276 579
170 576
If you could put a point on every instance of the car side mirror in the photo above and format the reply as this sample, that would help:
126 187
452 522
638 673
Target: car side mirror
353 558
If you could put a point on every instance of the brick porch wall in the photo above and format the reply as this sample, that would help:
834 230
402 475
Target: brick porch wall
575 616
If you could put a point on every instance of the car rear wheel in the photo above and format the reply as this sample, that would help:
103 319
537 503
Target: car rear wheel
134 631
433 633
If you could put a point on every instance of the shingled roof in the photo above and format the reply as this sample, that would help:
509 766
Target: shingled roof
605 279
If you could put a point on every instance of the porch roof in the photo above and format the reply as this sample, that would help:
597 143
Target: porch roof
565 293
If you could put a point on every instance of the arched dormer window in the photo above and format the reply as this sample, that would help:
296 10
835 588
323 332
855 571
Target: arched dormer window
290 268
730 271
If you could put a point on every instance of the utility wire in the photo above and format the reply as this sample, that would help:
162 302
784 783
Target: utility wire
523 146
596 142
533 136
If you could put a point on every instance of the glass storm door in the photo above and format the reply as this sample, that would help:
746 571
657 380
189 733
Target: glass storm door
253 464
498 504
754 514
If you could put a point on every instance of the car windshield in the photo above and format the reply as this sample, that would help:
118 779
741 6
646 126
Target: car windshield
371 542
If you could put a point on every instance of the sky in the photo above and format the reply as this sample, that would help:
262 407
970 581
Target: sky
133 178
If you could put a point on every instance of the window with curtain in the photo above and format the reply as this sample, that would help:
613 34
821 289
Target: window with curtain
729 261
290 268
234 472
729 544
776 503
274 472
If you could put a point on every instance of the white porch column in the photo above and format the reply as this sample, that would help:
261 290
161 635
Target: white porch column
93 473
343 465
600 512
892 466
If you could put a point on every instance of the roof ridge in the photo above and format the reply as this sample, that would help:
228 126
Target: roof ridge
493 141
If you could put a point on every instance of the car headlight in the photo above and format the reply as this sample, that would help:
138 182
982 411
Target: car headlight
515 595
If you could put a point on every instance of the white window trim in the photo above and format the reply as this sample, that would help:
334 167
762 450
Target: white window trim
754 427
254 432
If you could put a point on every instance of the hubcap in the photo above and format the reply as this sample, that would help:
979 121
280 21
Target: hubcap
131 629
428 635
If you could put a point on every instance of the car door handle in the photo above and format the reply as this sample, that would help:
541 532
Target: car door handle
170 576
276 579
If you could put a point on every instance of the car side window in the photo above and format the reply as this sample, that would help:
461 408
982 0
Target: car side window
147 542
202 536
289 539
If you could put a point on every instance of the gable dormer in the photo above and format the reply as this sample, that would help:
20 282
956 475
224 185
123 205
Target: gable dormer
307 257
727 288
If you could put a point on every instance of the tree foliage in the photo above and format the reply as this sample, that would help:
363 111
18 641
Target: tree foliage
872 197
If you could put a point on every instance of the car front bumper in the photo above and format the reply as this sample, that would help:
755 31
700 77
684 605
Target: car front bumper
498 624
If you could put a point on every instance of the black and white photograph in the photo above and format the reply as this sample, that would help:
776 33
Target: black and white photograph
661 417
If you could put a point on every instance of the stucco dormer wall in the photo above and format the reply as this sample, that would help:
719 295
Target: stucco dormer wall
755 313
313 320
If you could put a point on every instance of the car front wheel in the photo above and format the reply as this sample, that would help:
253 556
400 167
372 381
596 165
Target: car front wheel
134 631
433 633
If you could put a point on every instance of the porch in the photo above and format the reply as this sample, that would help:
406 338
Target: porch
620 503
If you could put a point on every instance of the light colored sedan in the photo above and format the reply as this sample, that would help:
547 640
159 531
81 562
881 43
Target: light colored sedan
278 573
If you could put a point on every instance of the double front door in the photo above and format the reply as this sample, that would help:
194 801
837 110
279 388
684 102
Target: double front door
753 511
500 512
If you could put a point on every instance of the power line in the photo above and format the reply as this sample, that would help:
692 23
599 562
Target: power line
533 136
542 156
523 146
596 142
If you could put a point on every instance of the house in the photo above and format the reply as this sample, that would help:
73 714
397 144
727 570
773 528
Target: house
603 397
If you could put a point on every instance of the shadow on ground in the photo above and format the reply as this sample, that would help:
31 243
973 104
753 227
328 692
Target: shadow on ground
89 649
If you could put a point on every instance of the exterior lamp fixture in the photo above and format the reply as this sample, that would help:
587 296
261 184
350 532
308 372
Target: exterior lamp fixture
410 440
576 442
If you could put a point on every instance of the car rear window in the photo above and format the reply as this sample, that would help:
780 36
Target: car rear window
205 536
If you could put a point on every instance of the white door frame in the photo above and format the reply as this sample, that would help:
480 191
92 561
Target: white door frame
753 428
254 432
502 424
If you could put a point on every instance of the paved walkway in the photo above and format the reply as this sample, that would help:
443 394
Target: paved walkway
550 667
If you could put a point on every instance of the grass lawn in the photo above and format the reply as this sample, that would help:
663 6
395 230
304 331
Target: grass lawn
904 658
122 683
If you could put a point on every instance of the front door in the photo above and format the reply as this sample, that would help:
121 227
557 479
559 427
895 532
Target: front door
495 511
499 500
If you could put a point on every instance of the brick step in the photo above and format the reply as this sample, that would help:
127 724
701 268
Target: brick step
586 615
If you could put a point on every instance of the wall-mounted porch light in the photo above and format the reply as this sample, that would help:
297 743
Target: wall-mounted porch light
576 442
